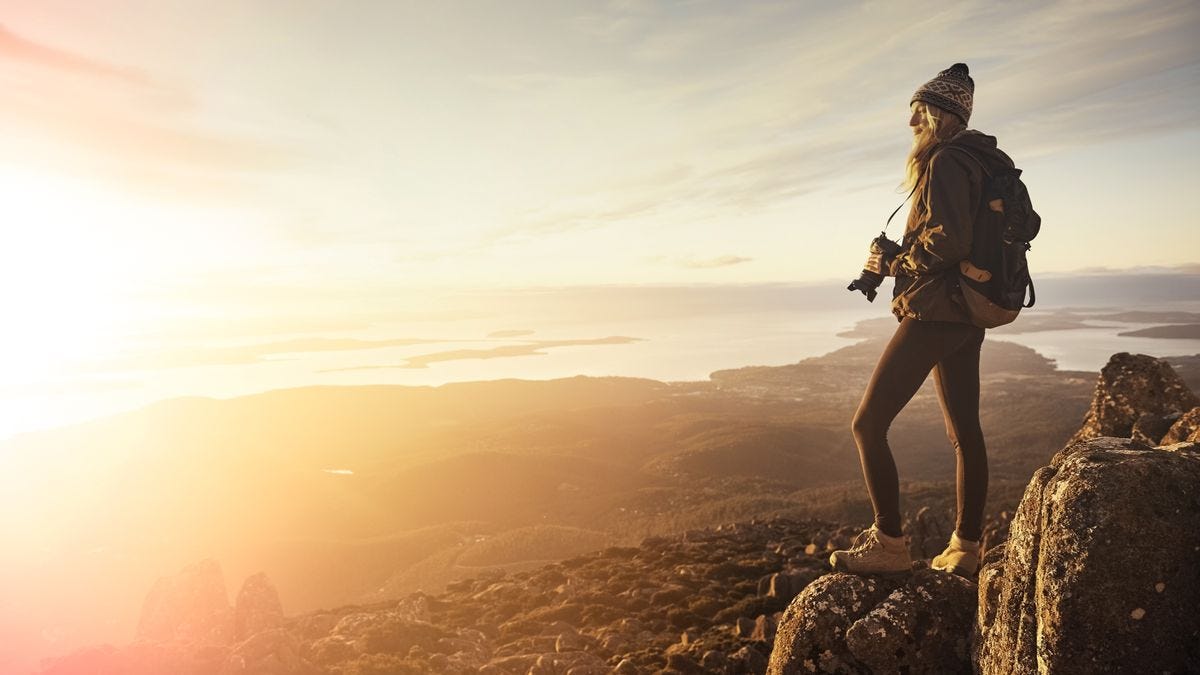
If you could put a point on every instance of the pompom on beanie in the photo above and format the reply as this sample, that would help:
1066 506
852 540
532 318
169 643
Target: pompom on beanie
952 90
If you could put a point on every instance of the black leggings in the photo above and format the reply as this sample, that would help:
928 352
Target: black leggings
951 351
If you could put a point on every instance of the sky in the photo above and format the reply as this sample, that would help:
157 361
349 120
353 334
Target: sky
162 160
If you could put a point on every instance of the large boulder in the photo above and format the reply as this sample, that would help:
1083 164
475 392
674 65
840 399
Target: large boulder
1135 390
843 623
1101 572
190 606
258 607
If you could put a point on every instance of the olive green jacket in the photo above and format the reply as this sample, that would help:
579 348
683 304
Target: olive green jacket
948 201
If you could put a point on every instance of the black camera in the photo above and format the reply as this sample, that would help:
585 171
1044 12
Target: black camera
883 249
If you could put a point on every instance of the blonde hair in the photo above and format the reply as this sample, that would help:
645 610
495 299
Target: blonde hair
939 126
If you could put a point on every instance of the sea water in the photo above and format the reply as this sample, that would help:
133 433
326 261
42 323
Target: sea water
673 335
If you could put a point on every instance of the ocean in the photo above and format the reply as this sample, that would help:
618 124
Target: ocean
663 333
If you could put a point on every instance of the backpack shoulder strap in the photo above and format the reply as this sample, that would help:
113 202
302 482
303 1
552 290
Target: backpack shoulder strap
968 153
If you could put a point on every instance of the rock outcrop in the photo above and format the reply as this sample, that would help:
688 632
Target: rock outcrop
258 607
187 627
1136 395
1100 572
192 605
842 623
1186 429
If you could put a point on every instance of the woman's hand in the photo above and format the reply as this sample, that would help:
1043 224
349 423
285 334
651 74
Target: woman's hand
882 250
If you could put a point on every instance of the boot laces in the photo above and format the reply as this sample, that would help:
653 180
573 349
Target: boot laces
865 540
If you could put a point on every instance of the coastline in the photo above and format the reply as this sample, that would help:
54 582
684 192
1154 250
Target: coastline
672 334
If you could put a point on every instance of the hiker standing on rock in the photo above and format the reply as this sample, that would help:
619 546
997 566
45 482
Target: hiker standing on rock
946 173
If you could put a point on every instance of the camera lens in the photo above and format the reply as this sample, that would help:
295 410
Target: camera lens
867 283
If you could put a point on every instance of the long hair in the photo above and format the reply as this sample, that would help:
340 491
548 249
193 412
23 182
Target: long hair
939 125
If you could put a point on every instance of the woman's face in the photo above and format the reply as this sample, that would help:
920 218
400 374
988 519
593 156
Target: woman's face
919 121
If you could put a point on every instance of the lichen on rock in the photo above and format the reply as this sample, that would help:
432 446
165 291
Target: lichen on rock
1135 395
1076 587
844 623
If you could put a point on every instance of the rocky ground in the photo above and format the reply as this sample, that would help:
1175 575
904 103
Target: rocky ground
712 600
707 601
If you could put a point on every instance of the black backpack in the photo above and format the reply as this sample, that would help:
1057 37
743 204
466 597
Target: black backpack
995 279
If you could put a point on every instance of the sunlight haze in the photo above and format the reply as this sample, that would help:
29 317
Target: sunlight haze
312 306
304 164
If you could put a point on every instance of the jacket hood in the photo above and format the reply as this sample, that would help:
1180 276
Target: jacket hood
983 147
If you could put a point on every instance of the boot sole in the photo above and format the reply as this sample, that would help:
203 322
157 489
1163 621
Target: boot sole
960 571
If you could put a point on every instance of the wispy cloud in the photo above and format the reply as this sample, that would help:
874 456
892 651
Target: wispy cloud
711 263
581 219
540 125
536 348
255 353
16 47
124 125
781 109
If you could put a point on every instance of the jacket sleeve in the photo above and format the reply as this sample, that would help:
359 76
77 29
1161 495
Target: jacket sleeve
943 236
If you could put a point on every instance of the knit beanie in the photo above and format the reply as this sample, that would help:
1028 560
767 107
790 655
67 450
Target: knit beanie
952 90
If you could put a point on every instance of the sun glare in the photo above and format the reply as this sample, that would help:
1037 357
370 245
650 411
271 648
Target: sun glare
65 267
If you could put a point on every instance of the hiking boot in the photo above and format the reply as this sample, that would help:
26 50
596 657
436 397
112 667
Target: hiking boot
961 557
873 552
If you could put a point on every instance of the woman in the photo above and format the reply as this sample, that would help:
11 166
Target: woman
946 170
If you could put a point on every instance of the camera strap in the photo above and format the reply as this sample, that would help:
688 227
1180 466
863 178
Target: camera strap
910 194
889 220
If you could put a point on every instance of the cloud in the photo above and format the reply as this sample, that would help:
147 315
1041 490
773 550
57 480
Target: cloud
710 263
624 116
13 46
583 219
777 100
505 351
120 124
260 324
246 354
